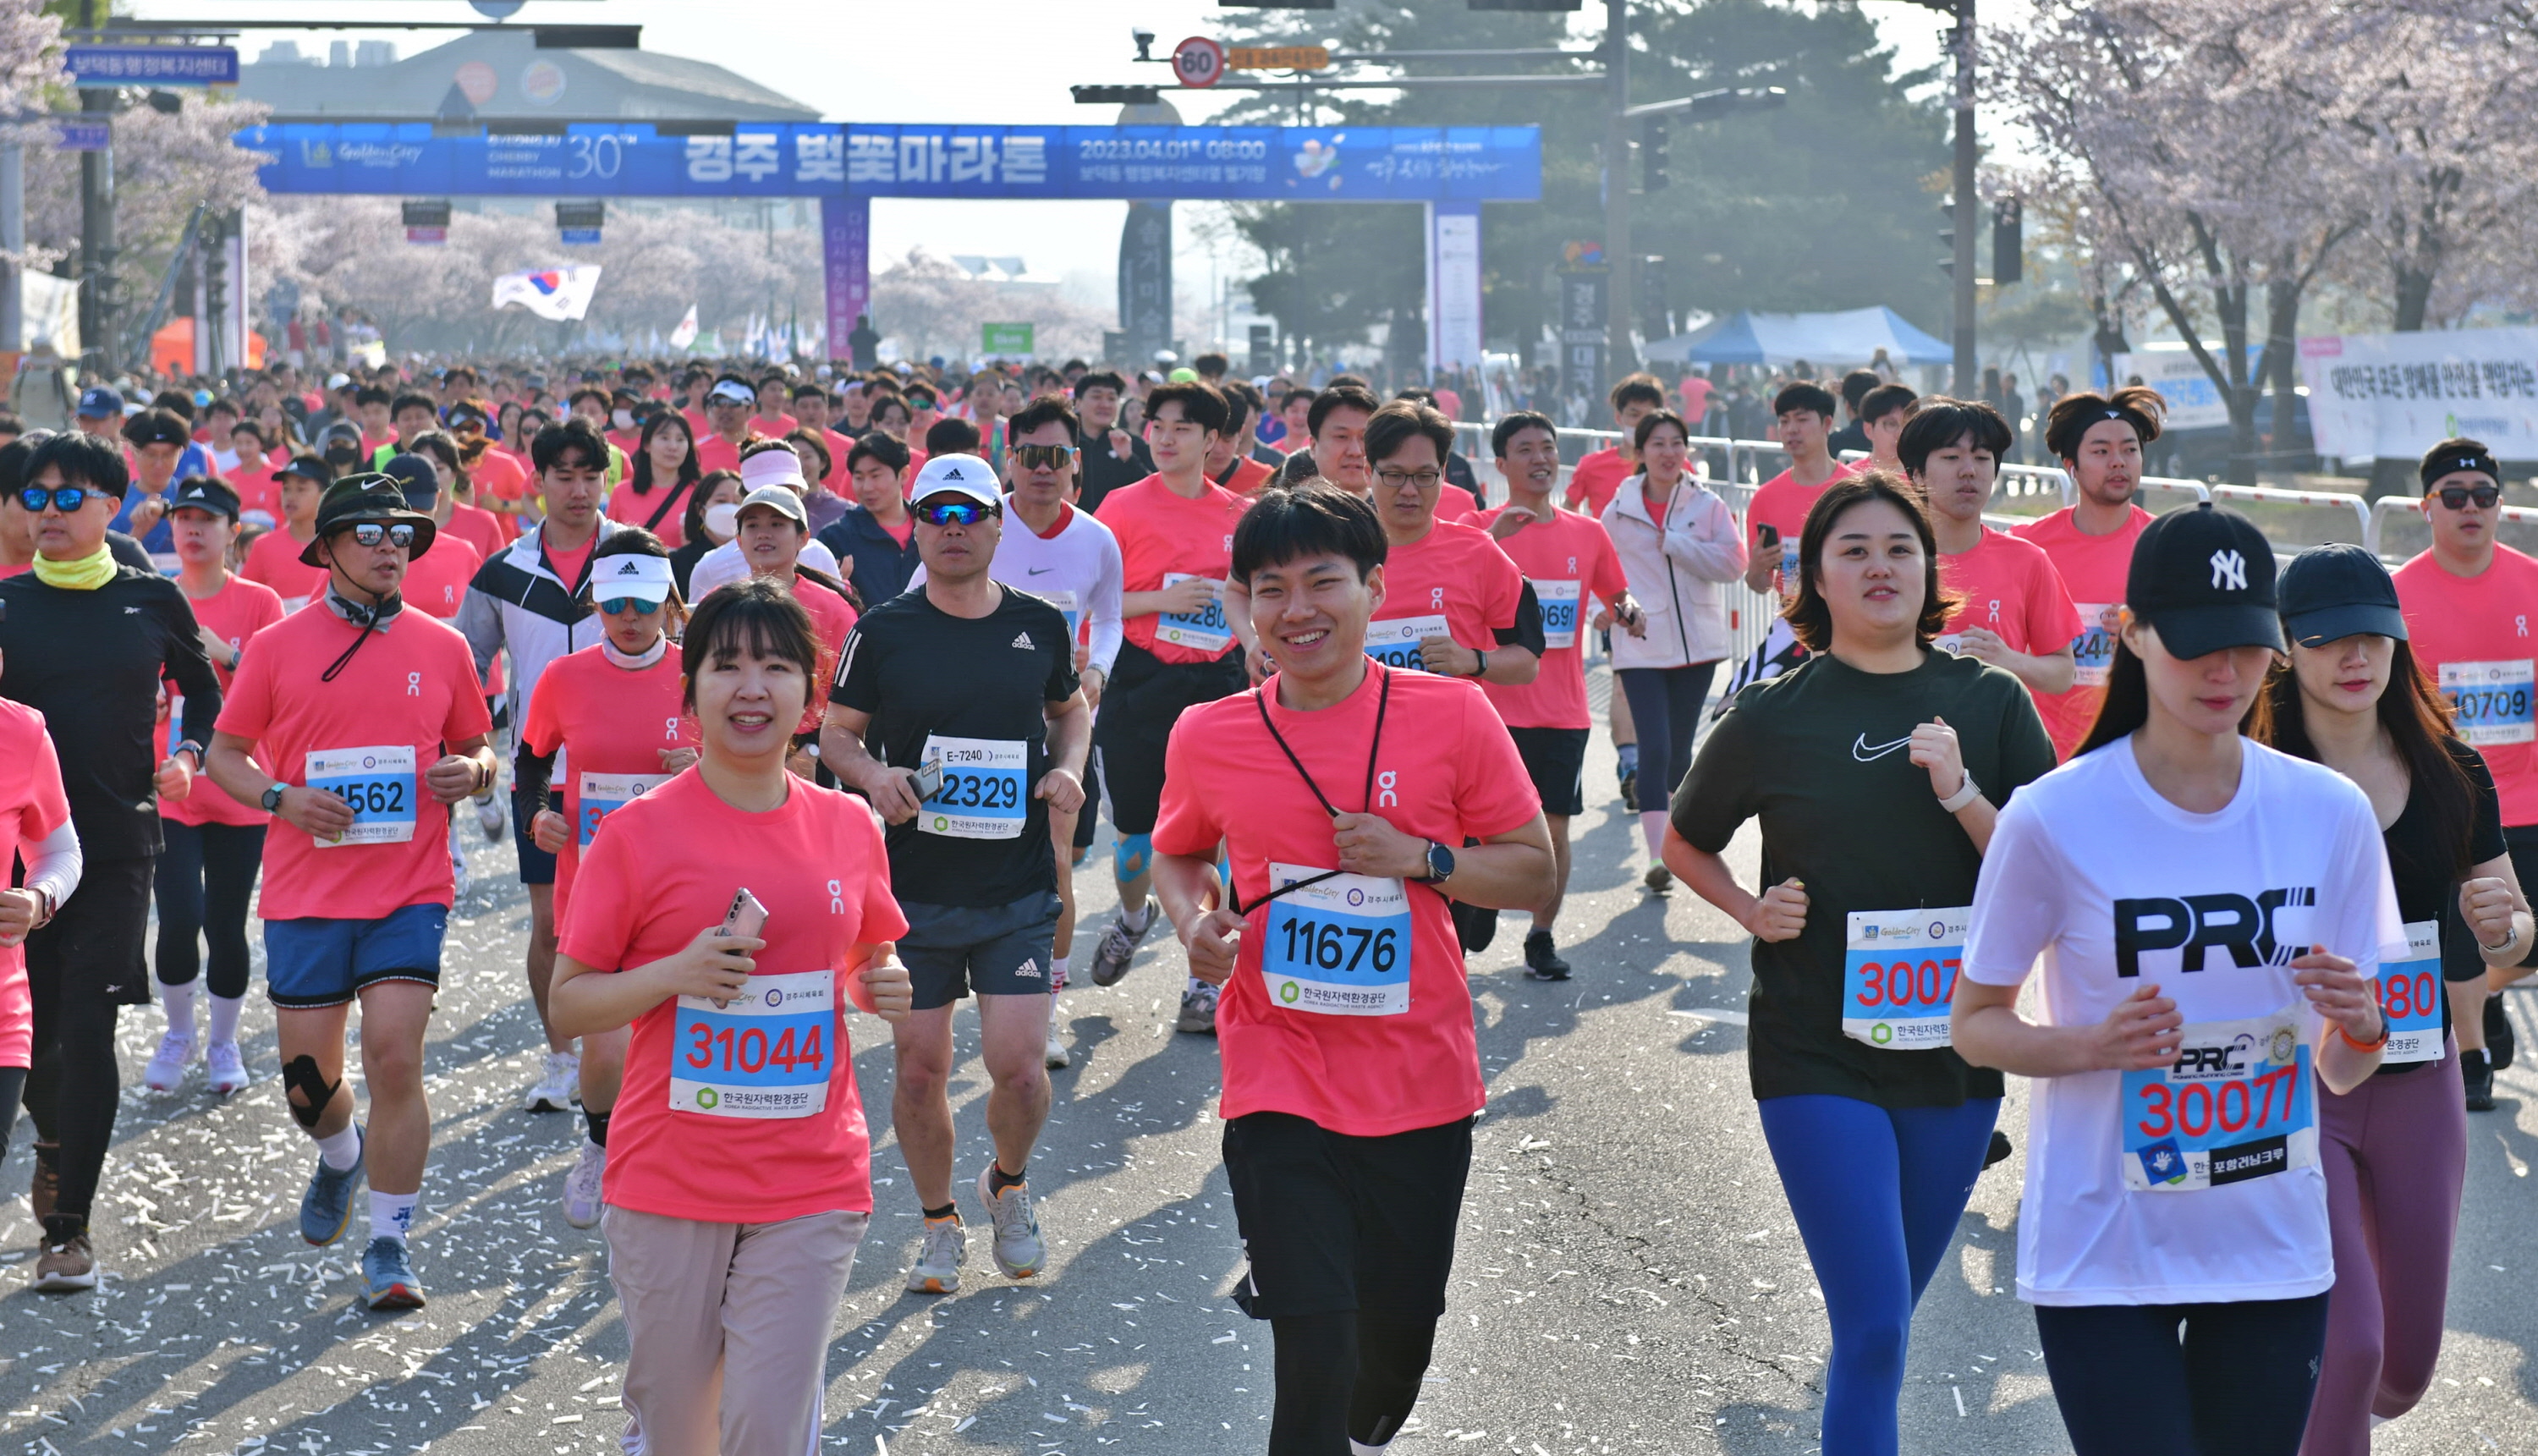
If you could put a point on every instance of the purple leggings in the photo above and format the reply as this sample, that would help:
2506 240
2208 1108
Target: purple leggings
2395 1152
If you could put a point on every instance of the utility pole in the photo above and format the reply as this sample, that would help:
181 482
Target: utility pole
1619 357
97 339
1960 39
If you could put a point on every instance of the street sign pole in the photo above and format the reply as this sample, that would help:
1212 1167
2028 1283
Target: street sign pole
1619 357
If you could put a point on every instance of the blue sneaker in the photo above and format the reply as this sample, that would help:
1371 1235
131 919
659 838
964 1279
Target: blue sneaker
387 1277
327 1207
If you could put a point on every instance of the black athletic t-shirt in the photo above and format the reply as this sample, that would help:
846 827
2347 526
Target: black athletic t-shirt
2427 874
974 693
1821 755
91 662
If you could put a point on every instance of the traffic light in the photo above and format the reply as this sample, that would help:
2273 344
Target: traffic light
2008 245
1948 237
1653 155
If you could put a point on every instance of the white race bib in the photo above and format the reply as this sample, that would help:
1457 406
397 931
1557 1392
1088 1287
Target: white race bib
603 794
2491 700
1559 602
379 785
983 795
765 1055
1395 643
2411 995
2094 649
1202 631
2236 1105
1340 948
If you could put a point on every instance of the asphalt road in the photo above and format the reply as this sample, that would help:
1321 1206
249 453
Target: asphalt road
1627 1278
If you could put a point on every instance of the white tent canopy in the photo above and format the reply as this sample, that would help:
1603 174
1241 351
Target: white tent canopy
1849 336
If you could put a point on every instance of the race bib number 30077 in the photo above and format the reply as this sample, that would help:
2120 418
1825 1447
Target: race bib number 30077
2491 700
2236 1105
1899 973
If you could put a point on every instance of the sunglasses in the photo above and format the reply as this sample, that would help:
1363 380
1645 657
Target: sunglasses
64 499
2456 497
612 606
956 513
371 533
1042 457
467 425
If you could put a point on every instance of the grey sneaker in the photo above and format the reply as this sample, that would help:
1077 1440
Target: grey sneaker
327 1207
1198 1011
939 1259
1120 947
1018 1249
387 1277
581 1185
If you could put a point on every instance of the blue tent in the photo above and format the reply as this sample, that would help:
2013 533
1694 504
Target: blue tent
1850 337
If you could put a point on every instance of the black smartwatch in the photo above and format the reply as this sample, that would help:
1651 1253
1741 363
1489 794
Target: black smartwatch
271 799
1441 862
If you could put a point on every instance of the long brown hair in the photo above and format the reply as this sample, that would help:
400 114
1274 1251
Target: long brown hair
1808 615
2417 720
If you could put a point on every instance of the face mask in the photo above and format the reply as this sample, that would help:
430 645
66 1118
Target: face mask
625 419
724 519
342 454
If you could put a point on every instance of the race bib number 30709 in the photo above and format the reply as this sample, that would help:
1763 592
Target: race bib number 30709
376 783
2236 1105
2491 700
1898 972
765 1055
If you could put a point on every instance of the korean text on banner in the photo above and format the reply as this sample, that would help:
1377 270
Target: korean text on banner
2394 396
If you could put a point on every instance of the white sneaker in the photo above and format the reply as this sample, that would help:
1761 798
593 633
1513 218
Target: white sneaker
1057 1055
490 818
557 1088
1020 1251
581 1185
939 1259
227 1069
166 1069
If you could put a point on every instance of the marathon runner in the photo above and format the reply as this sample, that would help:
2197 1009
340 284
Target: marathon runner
1778 514
1679 545
2217 913
1872 766
273 561
529 601
1599 475
875 541
1335 445
35 832
2395 1147
665 471
1566 558
714 518
2470 602
1348 796
765 463
2099 439
211 843
1882 416
1176 534
966 763
86 640
2011 608
736 907
363 709
727 408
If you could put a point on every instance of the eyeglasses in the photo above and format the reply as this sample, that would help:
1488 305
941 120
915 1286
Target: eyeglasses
1042 457
956 513
1426 480
371 533
612 606
2455 498
64 499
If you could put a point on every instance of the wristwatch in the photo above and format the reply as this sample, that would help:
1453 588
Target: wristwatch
272 798
1441 862
1965 794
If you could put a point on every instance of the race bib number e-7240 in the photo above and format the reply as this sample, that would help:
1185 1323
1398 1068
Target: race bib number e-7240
1340 948
603 794
765 1055
983 795
1202 631
2236 1105
1395 643
2490 700
2411 994
1899 973
376 783
1560 600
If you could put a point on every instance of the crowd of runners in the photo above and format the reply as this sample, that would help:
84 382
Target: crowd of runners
799 691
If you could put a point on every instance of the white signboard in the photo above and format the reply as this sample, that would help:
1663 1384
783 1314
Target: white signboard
2394 396
2194 402
1455 284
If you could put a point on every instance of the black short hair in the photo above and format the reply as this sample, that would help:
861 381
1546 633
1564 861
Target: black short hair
875 446
84 460
1804 395
1503 434
1286 522
809 391
1941 422
588 392
244 424
1339 396
1637 390
951 436
371 394
572 432
1101 379
756 617
2074 414
1202 404
1855 387
1211 365
415 401
1399 423
1292 395
1885 400
1048 409
1807 615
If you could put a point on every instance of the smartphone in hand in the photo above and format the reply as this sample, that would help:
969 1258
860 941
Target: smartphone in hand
746 918
929 780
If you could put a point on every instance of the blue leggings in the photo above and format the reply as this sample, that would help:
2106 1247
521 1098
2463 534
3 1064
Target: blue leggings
1877 1192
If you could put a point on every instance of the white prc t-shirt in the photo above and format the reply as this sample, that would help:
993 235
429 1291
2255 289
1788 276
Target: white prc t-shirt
2198 1183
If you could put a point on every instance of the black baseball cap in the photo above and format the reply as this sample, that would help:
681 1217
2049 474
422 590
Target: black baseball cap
309 468
2338 591
202 493
2204 579
415 475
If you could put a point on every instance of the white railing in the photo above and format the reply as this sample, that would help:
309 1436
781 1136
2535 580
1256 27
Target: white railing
2340 499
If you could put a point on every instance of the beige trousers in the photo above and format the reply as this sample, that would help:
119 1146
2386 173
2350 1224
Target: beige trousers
729 1327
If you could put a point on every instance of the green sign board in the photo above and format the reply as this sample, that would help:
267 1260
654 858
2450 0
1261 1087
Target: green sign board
1005 338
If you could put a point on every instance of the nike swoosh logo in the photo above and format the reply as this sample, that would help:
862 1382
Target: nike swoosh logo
1037 571
1860 749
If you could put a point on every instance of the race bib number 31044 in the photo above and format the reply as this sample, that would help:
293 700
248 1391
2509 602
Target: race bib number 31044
2236 1105
765 1055
2491 700
1899 973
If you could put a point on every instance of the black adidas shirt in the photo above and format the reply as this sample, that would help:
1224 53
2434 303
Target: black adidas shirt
974 694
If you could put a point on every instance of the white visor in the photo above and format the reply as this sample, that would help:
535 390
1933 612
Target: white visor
642 577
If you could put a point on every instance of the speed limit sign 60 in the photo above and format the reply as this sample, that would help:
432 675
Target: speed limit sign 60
1198 61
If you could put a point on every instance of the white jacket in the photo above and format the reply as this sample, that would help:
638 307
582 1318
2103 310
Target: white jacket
1680 575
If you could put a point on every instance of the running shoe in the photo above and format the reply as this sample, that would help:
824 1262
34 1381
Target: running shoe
387 1277
1020 1253
327 1207
1999 1150
939 1260
166 1069
224 1071
1631 788
557 1088
2478 1073
45 1188
67 1262
581 1185
1198 1011
2501 1041
1057 1056
1120 947
490 818
1658 880
1542 961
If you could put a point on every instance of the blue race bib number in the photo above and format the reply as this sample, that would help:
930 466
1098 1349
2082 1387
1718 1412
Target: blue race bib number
2094 649
2490 700
767 1054
983 795
2236 1105
1340 948
603 794
376 783
1202 631
1899 973
1560 600
2411 994
1395 643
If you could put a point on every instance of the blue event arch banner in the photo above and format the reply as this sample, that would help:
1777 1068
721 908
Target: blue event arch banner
1289 164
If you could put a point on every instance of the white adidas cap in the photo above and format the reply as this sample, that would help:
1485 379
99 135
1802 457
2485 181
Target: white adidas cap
957 475
646 579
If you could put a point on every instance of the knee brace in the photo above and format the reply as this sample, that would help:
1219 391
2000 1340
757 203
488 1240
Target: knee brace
1129 856
301 1075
